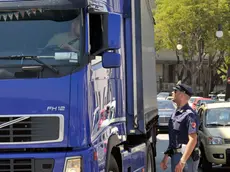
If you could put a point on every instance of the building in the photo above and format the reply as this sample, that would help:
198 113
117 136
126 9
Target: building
166 66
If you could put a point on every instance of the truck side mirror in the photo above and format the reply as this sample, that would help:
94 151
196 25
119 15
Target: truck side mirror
105 32
112 31
111 60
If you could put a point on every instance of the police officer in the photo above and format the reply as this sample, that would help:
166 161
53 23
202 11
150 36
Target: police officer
183 129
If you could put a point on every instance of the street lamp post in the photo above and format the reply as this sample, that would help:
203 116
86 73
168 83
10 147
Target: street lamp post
179 46
160 83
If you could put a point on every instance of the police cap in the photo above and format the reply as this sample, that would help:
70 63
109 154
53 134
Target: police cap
184 88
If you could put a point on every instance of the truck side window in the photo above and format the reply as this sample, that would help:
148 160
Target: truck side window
95 21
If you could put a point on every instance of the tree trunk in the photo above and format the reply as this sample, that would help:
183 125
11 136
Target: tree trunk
179 72
214 81
194 84
194 75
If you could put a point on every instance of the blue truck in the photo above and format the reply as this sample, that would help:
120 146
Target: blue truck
77 86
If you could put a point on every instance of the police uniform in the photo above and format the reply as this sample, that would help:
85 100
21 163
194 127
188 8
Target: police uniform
184 121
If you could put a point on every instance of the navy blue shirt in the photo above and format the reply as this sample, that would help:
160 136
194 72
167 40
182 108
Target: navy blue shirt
182 123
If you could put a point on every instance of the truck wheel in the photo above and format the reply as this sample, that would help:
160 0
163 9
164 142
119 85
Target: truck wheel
150 160
113 166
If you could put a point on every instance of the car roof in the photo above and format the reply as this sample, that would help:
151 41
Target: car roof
203 98
195 96
163 93
217 105
221 94
164 100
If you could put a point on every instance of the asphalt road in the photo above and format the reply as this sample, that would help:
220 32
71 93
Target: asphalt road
162 143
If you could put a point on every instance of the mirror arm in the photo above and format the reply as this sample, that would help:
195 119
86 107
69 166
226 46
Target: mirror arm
91 56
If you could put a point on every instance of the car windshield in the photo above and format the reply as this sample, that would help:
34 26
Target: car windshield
51 35
192 99
165 104
218 117
207 101
163 94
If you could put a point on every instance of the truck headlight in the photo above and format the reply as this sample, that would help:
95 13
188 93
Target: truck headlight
215 141
73 165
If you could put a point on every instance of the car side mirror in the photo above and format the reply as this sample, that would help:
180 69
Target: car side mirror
201 126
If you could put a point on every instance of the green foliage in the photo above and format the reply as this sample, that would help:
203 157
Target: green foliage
190 22
223 69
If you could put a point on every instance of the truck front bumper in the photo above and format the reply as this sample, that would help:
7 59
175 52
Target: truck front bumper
48 162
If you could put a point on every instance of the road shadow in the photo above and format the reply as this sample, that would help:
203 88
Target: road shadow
162 144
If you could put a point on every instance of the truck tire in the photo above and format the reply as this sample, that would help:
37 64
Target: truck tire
113 166
151 165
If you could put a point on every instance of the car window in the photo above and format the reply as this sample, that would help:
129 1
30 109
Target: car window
165 105
163 94
207 101
192 99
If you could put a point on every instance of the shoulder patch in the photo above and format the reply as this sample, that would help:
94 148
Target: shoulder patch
193 124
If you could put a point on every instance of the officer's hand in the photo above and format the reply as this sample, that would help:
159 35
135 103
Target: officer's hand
179 167
164 163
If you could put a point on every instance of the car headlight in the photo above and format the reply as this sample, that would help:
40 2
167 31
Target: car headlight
215 141
73 165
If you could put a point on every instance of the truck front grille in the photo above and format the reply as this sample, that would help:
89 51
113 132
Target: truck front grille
26 165
28 129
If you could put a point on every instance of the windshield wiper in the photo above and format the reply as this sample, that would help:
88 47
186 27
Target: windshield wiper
215 124
55 70
35 58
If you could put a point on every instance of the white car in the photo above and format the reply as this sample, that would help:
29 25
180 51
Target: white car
221 97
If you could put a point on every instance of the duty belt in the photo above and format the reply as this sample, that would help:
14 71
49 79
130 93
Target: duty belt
176 151
179 150
171 152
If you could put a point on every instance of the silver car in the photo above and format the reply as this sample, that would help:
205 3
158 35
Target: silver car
165 109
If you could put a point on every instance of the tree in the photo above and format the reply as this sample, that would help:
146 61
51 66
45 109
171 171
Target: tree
192 24
223 69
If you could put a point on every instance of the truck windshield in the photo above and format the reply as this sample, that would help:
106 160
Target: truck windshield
53 36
